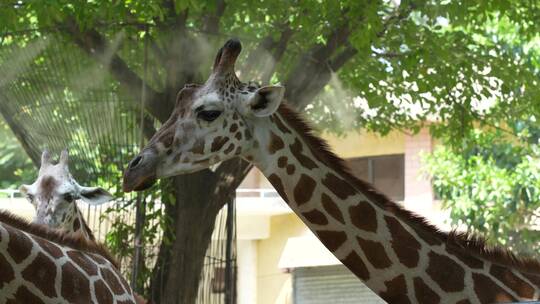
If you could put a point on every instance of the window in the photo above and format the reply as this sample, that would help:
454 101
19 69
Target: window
386 173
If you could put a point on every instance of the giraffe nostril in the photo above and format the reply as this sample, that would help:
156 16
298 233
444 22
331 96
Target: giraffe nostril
135 162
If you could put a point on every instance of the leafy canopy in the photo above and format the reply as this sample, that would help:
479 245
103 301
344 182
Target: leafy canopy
412 59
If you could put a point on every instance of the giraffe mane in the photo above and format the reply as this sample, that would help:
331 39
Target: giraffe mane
74 240
459 241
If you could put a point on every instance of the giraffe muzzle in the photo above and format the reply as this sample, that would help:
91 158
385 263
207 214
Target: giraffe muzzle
140 173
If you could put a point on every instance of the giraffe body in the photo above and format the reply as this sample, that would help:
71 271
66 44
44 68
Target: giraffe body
40 264
396 254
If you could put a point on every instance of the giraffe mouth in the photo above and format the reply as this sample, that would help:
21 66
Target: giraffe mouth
141 184
141 173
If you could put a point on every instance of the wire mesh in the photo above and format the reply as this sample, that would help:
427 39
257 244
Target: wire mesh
57 97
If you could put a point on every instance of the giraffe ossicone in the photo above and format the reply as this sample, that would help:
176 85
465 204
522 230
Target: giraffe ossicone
395 253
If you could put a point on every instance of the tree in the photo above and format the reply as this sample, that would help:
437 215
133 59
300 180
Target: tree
406 61
492 184
16 166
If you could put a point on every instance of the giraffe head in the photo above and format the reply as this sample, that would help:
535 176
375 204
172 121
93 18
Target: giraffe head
210 123
55 192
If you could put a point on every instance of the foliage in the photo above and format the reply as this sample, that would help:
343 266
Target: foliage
380 65
492 185
412 59
15 166
120 239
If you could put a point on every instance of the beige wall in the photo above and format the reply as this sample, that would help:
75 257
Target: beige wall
360 144
273 284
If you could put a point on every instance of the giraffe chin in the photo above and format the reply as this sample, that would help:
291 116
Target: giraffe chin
140 185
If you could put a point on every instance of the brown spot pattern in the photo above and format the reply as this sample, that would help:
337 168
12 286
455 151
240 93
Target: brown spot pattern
218 143
522 288
332 239
6 271
464 301
282 161
198 147
446 272
124 283
332 208
404 244
112 281
47 186
465 257
23 295
291 169
83 261
19 245
99 260
278 185
49 247
304 189
103 294
424 294
296 150
76 224
338 186
41 272
429 238
75 285
487 291
356 265
238 135
276 143
363 216
396 291
375 253
229 149
233 128
316 217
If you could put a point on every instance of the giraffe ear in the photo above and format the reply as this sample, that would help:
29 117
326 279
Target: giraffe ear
95 195
266 100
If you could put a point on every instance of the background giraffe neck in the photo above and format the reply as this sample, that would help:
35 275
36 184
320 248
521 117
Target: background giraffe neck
397 255
78 224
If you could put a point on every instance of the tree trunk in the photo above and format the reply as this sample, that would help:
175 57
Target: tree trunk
180 264
199 197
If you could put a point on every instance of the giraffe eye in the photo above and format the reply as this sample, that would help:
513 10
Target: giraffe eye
30 197
68 197
208 115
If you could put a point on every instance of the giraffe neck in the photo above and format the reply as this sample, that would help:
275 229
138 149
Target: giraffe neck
41 265
76 223
396 254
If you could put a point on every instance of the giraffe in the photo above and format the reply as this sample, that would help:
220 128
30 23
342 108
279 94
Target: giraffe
43 265
54 195
397 254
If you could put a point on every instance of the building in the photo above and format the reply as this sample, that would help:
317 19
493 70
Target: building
281 262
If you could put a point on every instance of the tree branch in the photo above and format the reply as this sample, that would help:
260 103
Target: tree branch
212 20
342 58
20 134
96 46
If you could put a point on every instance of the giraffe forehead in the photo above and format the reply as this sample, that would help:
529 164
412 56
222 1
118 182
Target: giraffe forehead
47 186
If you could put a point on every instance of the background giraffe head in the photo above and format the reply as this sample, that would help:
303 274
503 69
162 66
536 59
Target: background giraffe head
55 192
211 123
